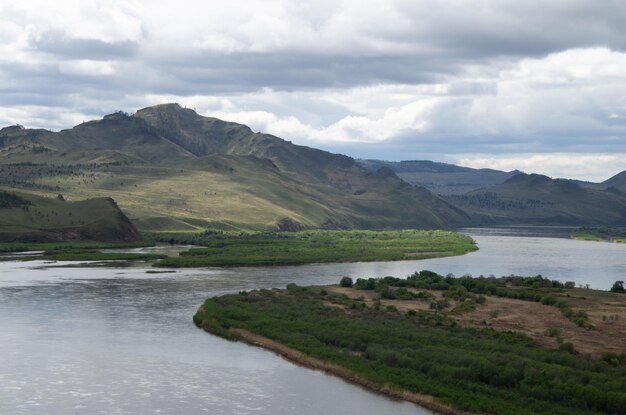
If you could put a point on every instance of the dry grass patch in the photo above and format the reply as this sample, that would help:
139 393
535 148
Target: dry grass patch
546 325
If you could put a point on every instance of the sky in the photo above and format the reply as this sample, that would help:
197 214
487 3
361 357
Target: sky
538 86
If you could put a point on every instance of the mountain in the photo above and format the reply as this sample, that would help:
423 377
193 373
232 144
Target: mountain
540 200
171 169
442 178
28 218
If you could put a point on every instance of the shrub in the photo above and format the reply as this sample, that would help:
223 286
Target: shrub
618 287
346 282
553 331
568 347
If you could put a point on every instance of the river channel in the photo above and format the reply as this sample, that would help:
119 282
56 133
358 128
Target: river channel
120 340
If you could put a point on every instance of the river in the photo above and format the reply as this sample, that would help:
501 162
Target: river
118 339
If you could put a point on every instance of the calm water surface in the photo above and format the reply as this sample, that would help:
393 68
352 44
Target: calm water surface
119 340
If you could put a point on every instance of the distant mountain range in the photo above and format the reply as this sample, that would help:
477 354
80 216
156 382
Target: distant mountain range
538 199
170 169
501 198
442 178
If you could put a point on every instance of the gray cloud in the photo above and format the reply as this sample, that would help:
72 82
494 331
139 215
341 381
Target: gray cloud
62 46
389 78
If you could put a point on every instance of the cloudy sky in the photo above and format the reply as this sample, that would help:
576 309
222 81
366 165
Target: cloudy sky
538 86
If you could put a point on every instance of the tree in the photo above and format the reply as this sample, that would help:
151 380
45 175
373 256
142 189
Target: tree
618 287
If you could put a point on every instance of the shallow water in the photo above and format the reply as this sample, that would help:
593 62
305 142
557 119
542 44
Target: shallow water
120 340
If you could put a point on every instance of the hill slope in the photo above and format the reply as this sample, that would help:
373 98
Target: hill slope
618 182
172 169
442 178
29 218
538 199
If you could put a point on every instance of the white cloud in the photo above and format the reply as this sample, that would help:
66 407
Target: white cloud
85 67
35 116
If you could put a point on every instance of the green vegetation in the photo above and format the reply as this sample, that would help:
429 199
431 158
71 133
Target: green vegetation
283 248
478 370
603 233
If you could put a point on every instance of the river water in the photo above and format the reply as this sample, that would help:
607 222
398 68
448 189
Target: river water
120 340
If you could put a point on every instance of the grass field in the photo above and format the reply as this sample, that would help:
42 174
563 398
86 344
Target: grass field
423 349
283 248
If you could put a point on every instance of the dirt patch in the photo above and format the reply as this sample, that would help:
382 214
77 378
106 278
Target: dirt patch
546 325
334 305
607 315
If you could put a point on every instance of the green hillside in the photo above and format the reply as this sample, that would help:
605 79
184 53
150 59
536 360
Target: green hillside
171 169
537 199
30 218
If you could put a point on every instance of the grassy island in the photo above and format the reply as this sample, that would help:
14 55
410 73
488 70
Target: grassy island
80 251
285 248
484 345
601 234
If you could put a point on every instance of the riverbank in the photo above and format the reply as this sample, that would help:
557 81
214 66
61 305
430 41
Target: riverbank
320 246
408 343
301 359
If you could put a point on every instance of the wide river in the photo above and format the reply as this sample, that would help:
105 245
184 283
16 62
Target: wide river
120 340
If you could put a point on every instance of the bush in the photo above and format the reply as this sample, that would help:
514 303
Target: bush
568 347
618 287
346 282
362 284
